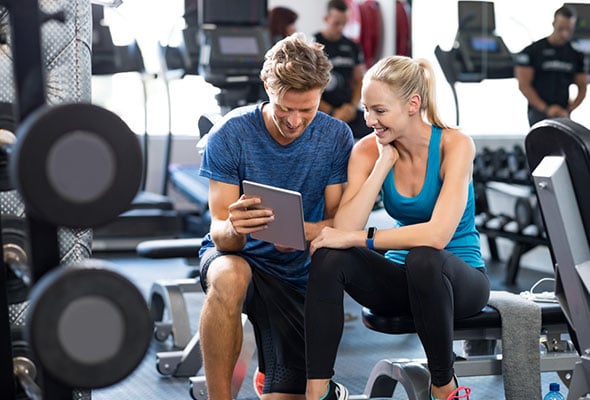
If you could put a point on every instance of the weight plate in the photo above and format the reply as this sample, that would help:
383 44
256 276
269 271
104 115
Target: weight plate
76 165
87 325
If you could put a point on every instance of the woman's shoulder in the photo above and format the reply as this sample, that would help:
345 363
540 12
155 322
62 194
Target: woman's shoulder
367 147
456 139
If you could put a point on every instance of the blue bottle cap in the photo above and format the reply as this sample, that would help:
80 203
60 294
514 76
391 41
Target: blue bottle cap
554 387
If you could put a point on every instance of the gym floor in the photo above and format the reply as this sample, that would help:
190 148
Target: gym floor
360 349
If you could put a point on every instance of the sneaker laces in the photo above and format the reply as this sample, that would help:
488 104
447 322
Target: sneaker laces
456 394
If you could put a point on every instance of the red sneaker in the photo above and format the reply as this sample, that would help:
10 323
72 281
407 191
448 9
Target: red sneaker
258 382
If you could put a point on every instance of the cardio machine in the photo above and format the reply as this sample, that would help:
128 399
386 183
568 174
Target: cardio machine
477 53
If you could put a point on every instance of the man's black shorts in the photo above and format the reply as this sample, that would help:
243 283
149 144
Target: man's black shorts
275 310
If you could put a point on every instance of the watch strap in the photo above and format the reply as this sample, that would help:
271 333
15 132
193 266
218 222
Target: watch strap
371 237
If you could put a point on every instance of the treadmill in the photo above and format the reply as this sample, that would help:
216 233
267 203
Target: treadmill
151 215
478 53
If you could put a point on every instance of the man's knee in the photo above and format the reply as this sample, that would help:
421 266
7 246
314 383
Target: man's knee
228 278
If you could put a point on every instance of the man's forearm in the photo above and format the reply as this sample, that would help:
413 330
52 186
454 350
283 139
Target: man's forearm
225 236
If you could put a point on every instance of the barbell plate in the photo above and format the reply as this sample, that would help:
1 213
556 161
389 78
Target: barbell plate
76 165
88 326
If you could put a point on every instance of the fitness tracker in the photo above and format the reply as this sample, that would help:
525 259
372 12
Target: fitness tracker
371 237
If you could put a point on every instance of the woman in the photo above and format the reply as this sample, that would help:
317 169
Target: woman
430 265
281 23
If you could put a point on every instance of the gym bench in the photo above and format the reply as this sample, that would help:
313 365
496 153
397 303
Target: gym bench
413 375
487 324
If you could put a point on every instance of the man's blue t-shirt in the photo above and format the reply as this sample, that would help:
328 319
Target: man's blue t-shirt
241 148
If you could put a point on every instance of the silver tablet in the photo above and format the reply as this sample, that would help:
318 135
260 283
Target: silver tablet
287 229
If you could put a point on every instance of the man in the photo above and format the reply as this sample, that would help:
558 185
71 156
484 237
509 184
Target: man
284 142
342 95
546 68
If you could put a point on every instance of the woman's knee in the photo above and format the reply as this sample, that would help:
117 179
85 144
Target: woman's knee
423 259
327 263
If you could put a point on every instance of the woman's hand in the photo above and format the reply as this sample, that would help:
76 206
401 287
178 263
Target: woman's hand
387 153
334 239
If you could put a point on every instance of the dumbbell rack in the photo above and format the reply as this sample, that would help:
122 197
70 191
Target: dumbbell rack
506 173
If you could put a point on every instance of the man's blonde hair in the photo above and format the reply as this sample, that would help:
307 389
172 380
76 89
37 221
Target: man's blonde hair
295 64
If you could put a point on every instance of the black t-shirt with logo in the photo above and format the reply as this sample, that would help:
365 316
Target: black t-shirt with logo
345 55
555 68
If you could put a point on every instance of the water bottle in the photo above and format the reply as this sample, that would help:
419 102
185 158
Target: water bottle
554 393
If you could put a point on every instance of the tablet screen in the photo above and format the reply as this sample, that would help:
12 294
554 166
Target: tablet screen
287 229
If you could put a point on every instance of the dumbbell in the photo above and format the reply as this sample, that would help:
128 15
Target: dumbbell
500 164
481 198
498 222
523 213
482 165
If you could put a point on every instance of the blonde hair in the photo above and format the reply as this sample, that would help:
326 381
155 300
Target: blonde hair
294 64
407 76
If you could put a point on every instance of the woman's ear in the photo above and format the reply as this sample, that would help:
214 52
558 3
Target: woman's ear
414 104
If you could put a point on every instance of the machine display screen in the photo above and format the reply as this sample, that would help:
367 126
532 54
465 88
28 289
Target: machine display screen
484 43
232 12
236 45
476 15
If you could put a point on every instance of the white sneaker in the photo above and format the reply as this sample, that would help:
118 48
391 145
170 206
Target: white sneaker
336 391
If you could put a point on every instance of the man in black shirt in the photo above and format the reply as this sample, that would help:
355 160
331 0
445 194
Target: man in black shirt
342 96
546 68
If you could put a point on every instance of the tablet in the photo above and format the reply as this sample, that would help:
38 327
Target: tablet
287 229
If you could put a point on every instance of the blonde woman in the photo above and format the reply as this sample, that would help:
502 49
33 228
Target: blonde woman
429 266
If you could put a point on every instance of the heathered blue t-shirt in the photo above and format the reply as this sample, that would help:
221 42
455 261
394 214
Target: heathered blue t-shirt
417 209
241 148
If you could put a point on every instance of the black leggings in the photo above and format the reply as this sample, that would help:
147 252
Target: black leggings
434 287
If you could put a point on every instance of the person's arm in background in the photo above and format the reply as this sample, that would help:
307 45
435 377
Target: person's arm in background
581 81
525 75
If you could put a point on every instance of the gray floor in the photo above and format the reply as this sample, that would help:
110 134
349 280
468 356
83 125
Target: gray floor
360 349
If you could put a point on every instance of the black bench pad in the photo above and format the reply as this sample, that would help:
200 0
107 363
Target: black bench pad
551 314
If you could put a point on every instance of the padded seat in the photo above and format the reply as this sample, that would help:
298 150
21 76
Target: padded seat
413 374
489 317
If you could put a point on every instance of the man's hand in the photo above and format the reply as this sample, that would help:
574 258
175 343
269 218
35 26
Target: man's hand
246 215
555 111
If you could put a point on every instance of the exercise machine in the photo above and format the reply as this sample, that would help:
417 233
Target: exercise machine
478 53
558 152
149 211
233 39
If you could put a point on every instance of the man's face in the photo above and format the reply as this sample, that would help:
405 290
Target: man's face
335 22
563 29
291 113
